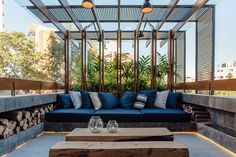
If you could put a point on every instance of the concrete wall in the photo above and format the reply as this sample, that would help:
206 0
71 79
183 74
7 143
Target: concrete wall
20 102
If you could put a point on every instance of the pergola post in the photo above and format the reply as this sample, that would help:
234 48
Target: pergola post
118 62
103 62
135 61
84 61
170 74
153 60
100 68
137 83
67 59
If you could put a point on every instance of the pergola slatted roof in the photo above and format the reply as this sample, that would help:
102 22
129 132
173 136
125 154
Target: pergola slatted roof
109 13
112 35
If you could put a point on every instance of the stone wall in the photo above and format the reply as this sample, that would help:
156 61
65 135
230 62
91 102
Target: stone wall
222 109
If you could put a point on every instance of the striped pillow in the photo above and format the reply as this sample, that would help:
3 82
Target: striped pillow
141 100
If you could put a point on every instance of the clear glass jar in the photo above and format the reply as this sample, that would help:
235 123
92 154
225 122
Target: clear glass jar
95 124
112 126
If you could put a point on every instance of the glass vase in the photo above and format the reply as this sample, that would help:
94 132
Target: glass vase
95 124
112 126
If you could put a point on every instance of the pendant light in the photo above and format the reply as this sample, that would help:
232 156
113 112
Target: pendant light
88 4
147 7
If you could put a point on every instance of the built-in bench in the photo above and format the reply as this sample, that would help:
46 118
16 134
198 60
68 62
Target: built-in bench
173 117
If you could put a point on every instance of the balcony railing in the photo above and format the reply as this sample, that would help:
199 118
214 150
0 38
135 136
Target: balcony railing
18 84
221 85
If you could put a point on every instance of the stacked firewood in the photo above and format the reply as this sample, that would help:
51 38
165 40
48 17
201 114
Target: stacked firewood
198 113
15 121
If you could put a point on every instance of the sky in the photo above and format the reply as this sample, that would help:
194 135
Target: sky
18 18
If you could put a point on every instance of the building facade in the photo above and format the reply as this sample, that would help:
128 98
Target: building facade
40 36
226 70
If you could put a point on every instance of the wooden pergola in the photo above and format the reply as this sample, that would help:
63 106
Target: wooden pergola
200 13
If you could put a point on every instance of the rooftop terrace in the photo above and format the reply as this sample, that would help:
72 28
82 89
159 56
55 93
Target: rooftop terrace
117 46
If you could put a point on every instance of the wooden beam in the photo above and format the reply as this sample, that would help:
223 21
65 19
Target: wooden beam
226 85
20 84
171 6
71 14
94 12
196 7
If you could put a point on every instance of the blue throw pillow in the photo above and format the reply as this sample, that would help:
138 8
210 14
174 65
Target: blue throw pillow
86 100
127 100
108 100
151 97
65 100
174 100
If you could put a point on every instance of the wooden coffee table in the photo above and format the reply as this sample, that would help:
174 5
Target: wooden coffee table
119 149
123 134
132 142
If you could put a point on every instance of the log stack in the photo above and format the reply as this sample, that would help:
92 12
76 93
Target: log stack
198 113
15 121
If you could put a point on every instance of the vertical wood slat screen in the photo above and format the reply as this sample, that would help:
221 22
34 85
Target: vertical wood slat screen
180 58
205 47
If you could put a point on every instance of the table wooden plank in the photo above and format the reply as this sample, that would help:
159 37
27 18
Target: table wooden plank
119 149
123 134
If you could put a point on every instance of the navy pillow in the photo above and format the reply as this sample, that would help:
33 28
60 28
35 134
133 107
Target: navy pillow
65 100
151 97
108 100
86 100
174 100
127 100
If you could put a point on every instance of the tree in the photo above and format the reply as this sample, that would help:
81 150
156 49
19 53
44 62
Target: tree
18 57
56 59
76 67
230 75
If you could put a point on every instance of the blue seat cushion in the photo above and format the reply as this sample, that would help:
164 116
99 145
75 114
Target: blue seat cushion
174 100
151 97
164 115
70 115
108 100
65 101
119 114
127 100
86 100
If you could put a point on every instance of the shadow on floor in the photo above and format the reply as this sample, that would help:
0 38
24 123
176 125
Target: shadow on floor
39 147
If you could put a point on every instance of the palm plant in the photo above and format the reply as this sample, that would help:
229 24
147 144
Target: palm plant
144 72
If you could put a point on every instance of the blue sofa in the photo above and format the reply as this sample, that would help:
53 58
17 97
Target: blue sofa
121 113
